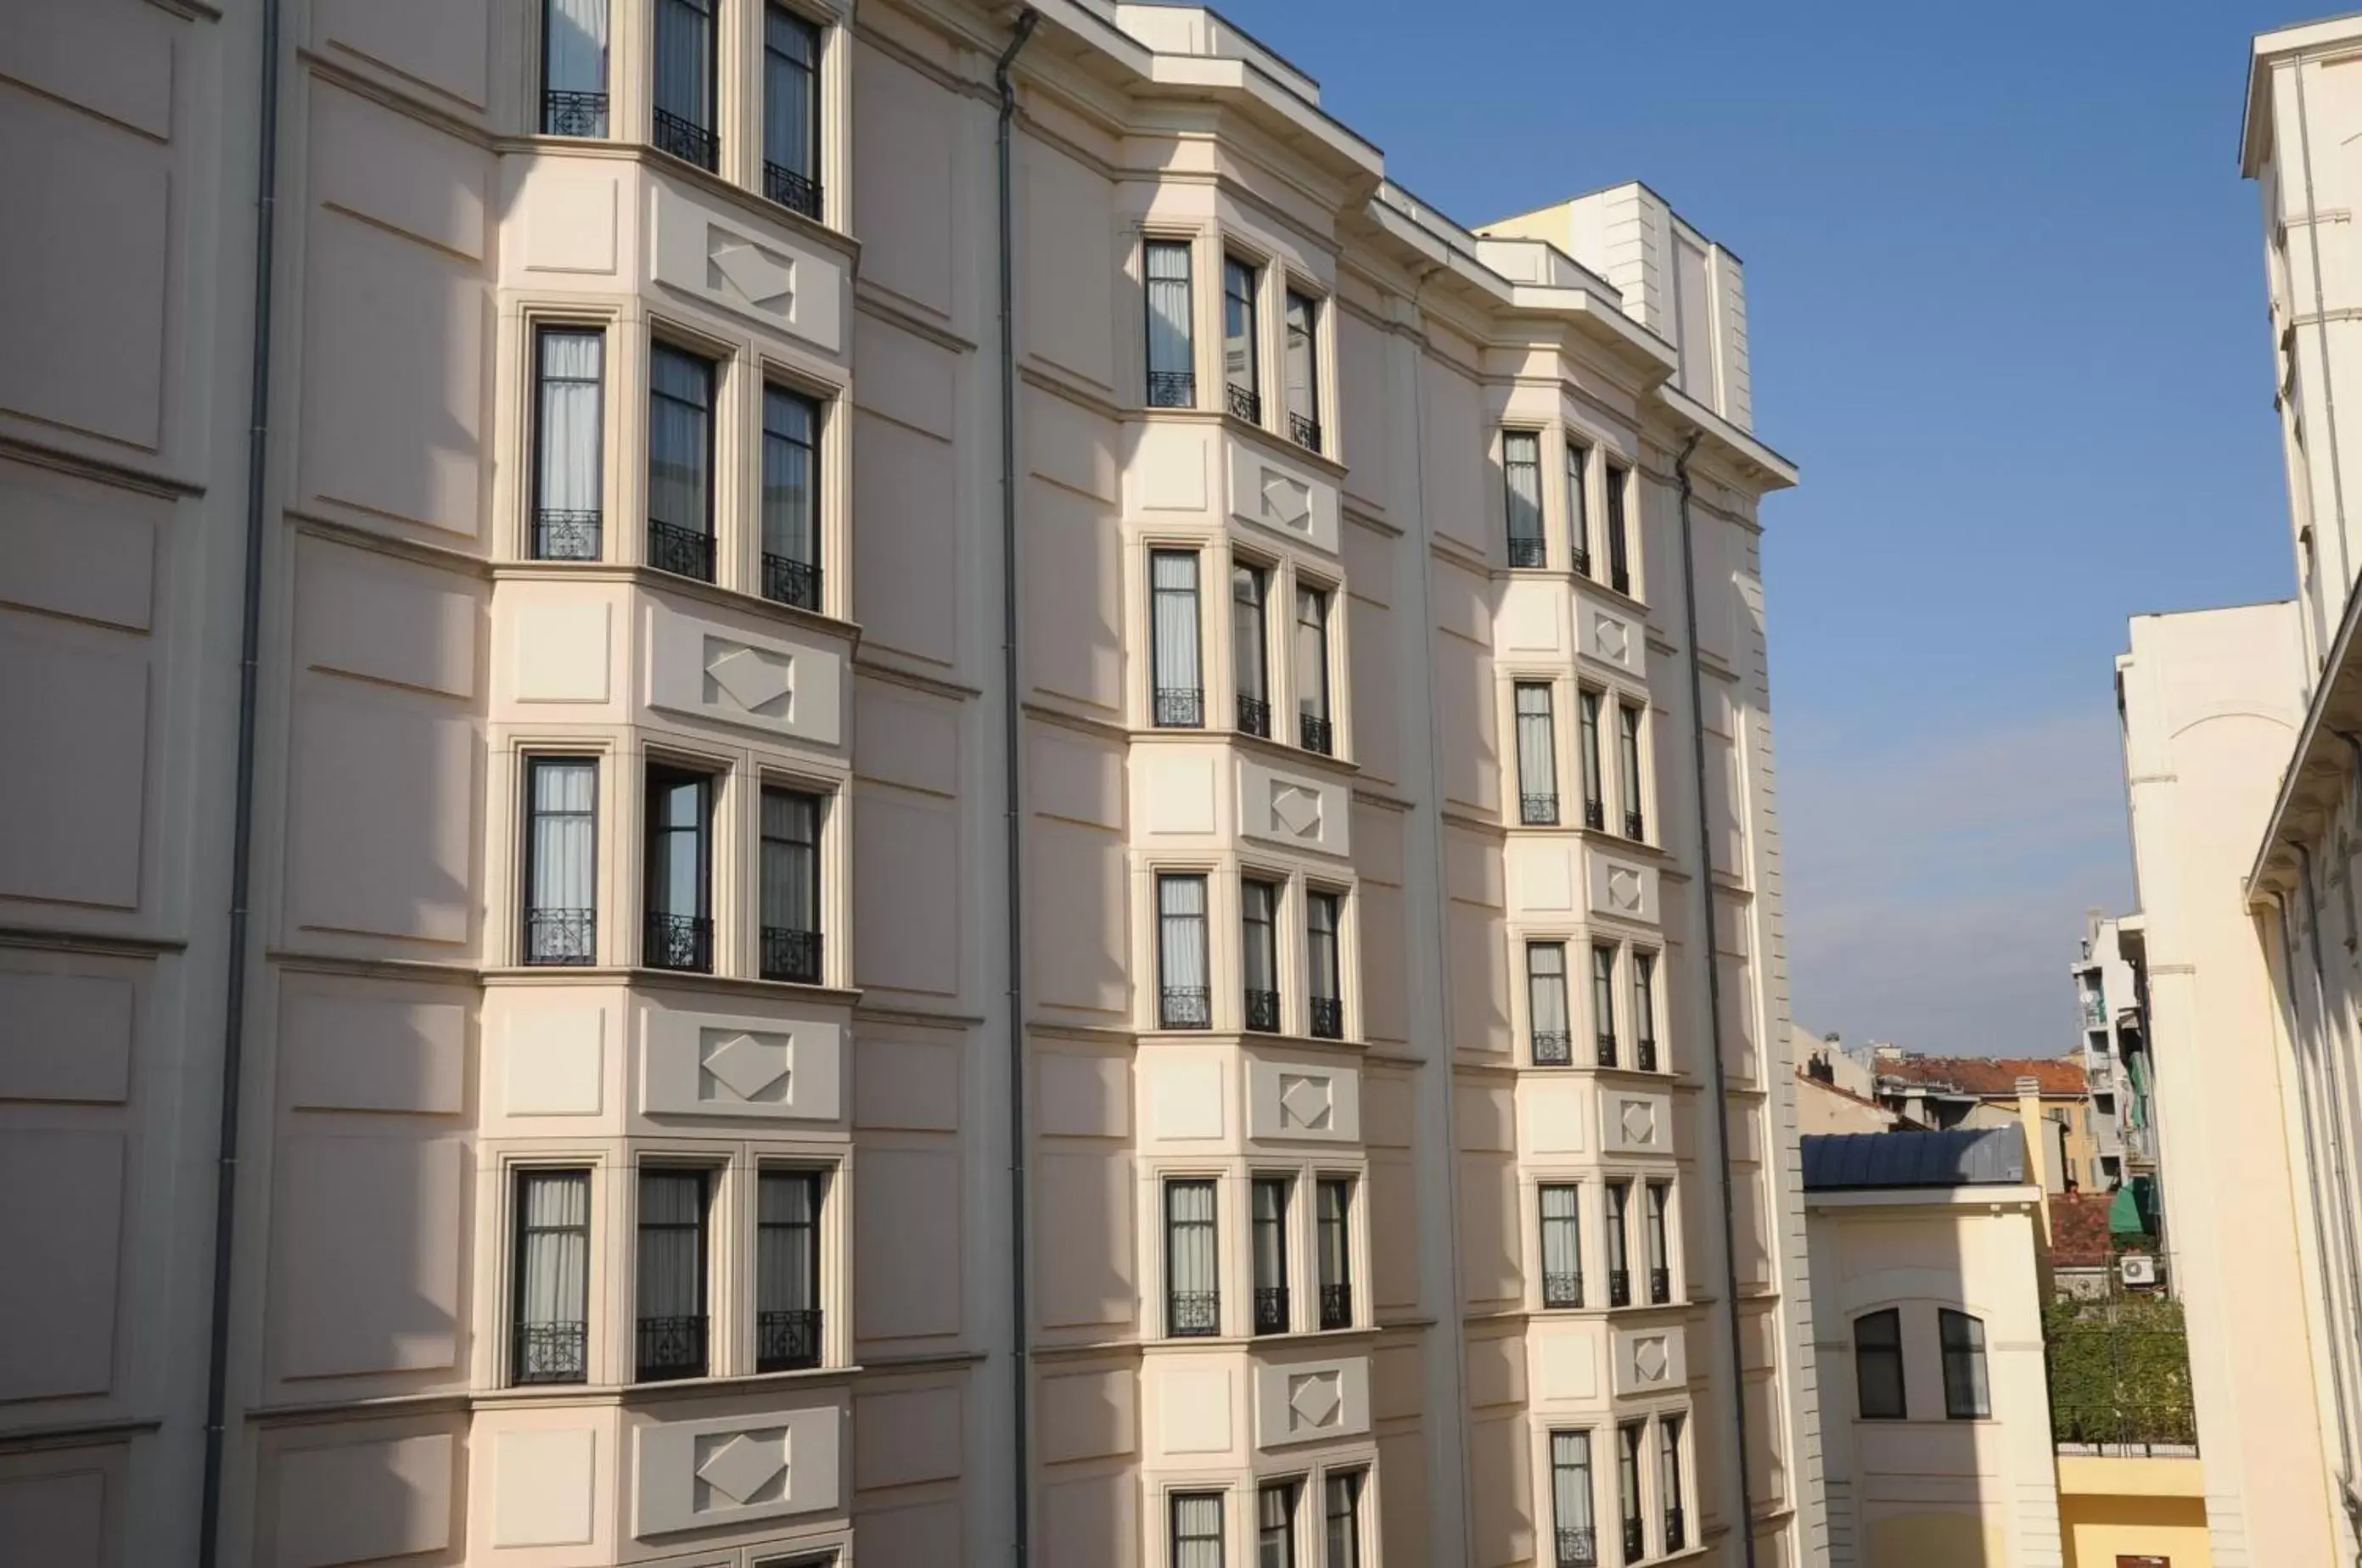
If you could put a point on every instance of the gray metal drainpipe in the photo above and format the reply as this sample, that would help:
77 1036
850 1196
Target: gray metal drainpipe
258 448
1745 1524
1020 1370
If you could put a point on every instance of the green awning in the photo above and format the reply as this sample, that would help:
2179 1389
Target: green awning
2125 1214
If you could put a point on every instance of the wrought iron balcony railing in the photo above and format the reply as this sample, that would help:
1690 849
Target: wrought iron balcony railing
686 139
1620 579
1595 814
1577 1549
1314 733
1553 1047
561 936
1582 559
671 1347
1336 1306
1525 552
1243 401
796 193
1172 390
789 581
1619 1286
1537 810
1605 1050
1676 1536
1254 716
786 1340
549 1352
1193 1314
678 942
791 954
1633 827
1636 1540
1184 1007
1305 433
1661 1285
1328 1018
1562 1289
1644 1052
683 552
569 113
1263 1011
1180 707
1271 1308
565 534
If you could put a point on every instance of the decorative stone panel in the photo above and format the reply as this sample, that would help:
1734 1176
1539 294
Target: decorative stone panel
755 272
1611 636
1541 877
1182 1090
1635 1122
1272 493
1294 1101
719 1064
1551 1114
736 1469
1622 889
1193 1407
707 671
1649 1360
1293 811
1308 1401
1566 1361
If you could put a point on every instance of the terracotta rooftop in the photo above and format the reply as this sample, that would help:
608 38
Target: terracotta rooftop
2079 1230
1988 1076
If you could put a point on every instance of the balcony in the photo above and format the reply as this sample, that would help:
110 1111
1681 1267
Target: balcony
1595 814
1620 579
1524 552
1180 707
1619 1286
786 1340
549 1352
1636 1540
1604 1050
1313 733
1577 1549
1634 827
1271 1308
792 582
1263 1011
670 1348
1193 1314
1661 1285
1645 1053
2095 1010
791 954
573 114
1185 1008
1553 1047
1336 1306
1254 716
678 942
1561 1289
1172 390
561 936
1537 810
1305 433
1243 401
1328 1018
683 552
686 139
1582 558
796 193
565 534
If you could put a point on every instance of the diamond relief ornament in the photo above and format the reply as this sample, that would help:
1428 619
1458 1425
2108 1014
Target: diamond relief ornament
755 275
1305 1102
1611 639
750 679
1296 808
1285 500
1624 889
1315 1397
1639 1122
748 1064
744 1465
1649 1358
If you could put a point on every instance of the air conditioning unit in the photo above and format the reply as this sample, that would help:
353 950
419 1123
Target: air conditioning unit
2137 1269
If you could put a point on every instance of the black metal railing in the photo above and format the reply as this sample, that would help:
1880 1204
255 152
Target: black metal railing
1313 733
1336 1306
1172 390
561 936
1661 1285
791 954
1184 1007
1676 1537
1271 1308
1254 716
787 580
786 1340
796 193
1644 1052
549 1352
1595 814
1537 810
671 1347
1619 579
1606 1051
1524 552
1582 559
1577 1549
1263 1011
1553 1047
561 534
1305 433
2129 1427
1243 401
683 552
678 941
1619 1286
1180 707
1193 1314
1562 1289
1328 1018
1633 826
570 113
686 139
1636 1540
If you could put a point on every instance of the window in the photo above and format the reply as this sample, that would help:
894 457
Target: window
1324 912
1303 371
790 890
1620 558
1333 1241
1628 763
790 498
1561 1245
574 68
1312 670
680 460
1179 688
1595 806
792 111
1570 1503
1966 1395
680 932
1644 1008
1172 354
1578 506
1248 668
1259 953
787 1270
1275 1526
1196 1530
1270 1244
1521 473
1183 1000
1603 1001
672 1320
1627 1491
1553 1041
1620 1273
561 838
1343 1518
549 1321
571 364
1537 756
1193 1296
1241 381
1878 1365
686 86
1669 1481
1661 1263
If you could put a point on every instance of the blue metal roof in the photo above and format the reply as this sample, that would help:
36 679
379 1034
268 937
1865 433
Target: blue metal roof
1963 1156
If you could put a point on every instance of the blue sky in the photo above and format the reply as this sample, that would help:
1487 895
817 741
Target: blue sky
2005 294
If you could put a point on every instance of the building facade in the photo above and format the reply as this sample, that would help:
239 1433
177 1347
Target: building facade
2110 1010
1984 1092
874 855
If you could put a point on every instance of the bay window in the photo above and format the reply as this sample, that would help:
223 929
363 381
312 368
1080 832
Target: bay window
792 111
1193 1296
550 1313
570 373
1177 686
1182 997
561 854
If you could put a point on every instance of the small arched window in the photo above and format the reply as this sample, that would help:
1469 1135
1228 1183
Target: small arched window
1967 1395
1878 1365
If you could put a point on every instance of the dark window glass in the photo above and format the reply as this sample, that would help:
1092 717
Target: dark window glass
1275 1526
1521 473
681 463
1269 1240
1324 913
1595 805
1619 1240
1241 376
1249 668
1333 1239
1343 1519
1878 1365
1312 670
550 1320
786 1271
1603 1001
680 932
790 498
685 83
1627 757
1303 371
672 1312
1619 548
1661 1263
1627 1491
1966 1396
1259 952
792 111
790 886
1578 507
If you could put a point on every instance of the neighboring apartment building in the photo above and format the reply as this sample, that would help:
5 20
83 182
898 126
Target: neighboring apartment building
2111 1012
1834 1091
752 1043
1983 1091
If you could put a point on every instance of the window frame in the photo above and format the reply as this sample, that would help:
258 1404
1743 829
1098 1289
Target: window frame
1631 770
1526 551
589 523
1889 1318
580 105
1174 1540
1324 982
1303 425
1608 1041
1578 504
518 1175
529 818
1656 1224
1589 701
1354 1483
1631 1479
708 1182
1554 1046
821 1177
1332 1242
1290 1492
1262 1007
1173 1003
1537 807
1968 1377
1244 402
1672 1490
1616 1195
701 140
1251 628
1207 1324
1568 1296
699 547
1316 701
809 201
791 954
1180 387
1269 1281
1173 706
1645 1053
1620 540
784 578
703 954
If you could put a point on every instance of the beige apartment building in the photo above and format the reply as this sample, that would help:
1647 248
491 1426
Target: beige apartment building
789 784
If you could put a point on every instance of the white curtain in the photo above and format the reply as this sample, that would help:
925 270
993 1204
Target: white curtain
564 831
1312 652
570 374
680 440
1320 944
1270 1235
1173 584
685 60
1336 1244
1561 1229
1181 932
672 1249
1276 1527
553 1273
1571 1479
1303 362
791 66
1619 1199
1247 634
1197 1529
1537 764
575 53
1521 465
790 489
1169 336
1546 987
1261 934
1578 505
786 1254
1190 1253
1668 1455
791 861
1345 1520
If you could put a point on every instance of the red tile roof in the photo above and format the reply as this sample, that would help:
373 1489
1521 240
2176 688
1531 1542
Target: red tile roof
2079 1230
1989 1076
